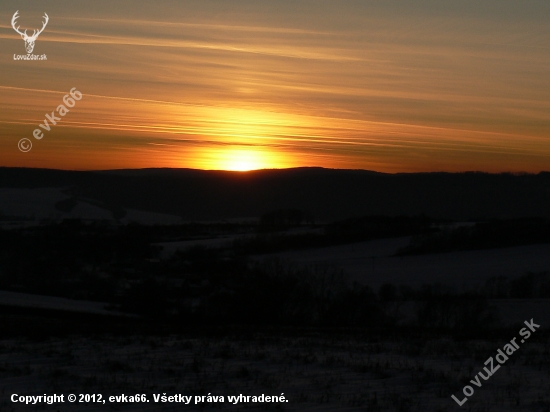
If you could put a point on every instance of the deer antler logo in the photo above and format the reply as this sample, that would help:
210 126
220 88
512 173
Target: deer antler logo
29 40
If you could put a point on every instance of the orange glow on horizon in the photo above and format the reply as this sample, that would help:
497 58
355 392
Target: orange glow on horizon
238 159
240 139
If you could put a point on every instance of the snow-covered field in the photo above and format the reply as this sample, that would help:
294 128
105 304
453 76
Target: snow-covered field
169 248
315 373
27 300
39 204
372 263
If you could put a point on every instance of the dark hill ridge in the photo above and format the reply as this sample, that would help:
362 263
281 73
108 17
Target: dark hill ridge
328 193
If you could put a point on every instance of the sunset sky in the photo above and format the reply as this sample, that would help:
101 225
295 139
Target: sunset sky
391 86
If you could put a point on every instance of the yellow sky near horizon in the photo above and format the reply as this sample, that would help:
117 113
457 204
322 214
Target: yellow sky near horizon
255 84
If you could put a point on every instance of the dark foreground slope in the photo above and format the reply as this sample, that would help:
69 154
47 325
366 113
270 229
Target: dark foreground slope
328 194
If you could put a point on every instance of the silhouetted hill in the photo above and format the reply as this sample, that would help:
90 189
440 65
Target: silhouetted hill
328 194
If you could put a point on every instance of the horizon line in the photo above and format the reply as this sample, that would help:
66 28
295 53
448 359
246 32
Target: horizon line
242 172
